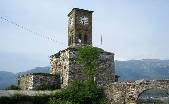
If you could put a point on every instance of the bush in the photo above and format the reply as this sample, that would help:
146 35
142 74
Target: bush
79 92
13 87
21 99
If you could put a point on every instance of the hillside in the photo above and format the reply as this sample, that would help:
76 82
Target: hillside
127 70
143 69
6 79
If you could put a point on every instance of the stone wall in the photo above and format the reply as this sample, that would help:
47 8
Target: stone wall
35 81
105 73
60 65
65 64
128 92
25 82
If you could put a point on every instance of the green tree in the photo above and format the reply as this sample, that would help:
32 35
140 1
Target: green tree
87 57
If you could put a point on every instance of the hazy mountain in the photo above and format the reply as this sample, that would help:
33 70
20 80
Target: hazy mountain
37 69
142 69
6 79
127 70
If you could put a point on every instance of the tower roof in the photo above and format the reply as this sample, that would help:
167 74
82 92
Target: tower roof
77 9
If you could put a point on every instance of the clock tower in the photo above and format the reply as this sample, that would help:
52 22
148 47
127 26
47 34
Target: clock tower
64 63
79 27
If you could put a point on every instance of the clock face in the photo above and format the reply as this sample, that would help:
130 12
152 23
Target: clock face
84 20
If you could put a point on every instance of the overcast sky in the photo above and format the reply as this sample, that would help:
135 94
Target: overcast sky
132 29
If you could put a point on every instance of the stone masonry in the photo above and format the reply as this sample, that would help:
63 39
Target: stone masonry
127 92
35 81
79 27
64 63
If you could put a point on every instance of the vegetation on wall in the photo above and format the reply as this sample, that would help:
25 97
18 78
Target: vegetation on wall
88 57
83 92
78 92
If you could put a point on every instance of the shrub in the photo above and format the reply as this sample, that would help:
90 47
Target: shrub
13 87
59 101
21 99
79 92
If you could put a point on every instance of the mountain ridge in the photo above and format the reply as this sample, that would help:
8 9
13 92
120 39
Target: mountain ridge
127 70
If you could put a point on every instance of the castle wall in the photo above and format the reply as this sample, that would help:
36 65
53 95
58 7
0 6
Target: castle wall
128 92
60 65
75 70
105 73
65 64
25 82
35 81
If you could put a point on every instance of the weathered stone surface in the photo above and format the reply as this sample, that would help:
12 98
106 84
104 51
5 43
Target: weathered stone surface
128 92
79 27
34 81
64 63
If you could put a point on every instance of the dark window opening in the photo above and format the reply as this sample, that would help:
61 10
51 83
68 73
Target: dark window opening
80 36
71 39
18 82
85 39
64 67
